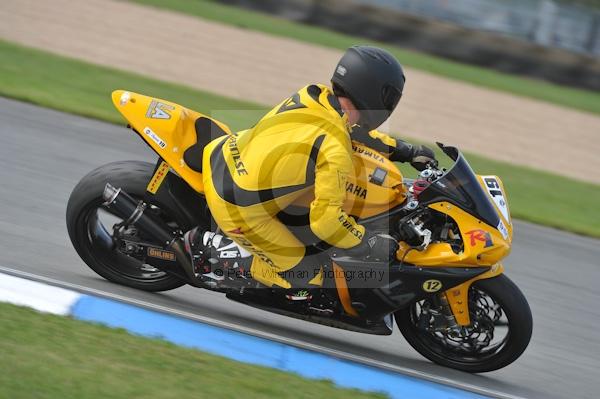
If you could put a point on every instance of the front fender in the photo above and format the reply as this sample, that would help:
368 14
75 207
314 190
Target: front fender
458 297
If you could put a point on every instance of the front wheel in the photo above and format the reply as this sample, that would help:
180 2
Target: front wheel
500 330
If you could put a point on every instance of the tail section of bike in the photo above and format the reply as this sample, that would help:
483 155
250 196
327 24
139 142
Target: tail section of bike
177 134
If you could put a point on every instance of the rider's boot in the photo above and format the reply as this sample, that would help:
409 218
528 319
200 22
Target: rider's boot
215 256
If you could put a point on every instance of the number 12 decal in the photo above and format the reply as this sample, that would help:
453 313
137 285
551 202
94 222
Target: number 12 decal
432 285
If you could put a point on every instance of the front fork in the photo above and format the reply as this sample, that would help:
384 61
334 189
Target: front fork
456 299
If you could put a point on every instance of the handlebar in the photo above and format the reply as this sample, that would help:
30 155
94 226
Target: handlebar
431 174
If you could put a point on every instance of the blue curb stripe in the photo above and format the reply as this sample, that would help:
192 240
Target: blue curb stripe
250 349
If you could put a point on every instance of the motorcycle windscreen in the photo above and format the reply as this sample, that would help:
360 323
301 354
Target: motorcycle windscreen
460 186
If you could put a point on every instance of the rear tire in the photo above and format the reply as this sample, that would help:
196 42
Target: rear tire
86 199
517 313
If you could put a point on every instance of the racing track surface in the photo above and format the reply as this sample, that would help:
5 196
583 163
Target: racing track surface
44 153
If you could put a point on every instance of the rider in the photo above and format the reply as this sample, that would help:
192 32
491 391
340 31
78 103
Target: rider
301 146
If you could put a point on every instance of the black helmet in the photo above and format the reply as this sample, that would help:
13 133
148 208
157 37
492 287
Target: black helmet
373 79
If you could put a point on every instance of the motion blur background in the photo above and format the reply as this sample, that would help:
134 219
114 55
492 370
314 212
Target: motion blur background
555 40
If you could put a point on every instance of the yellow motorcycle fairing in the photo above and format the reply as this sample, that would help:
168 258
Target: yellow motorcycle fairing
482 243
376 187
168 128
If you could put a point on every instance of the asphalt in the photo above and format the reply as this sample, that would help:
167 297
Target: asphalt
43 153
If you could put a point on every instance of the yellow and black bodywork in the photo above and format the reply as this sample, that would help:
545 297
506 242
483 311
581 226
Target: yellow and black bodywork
169 129
376 194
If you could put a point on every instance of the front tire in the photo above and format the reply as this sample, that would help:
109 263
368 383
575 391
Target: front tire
495 304
91 238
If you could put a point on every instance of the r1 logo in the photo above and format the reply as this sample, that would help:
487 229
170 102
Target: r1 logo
480 235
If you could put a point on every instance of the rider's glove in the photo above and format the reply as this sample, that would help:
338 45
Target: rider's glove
421 157
377 246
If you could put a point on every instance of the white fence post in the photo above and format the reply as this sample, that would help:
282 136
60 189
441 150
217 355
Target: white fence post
545 24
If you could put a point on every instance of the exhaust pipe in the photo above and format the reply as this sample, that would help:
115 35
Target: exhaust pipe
132 212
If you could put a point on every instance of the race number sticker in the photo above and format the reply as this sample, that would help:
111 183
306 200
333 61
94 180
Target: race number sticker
158 110
154 137
432 285
494 190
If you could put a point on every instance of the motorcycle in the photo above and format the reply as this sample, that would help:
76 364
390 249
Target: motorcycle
446 289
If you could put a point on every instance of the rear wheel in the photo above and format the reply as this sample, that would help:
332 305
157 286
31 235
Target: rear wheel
500 330
90 226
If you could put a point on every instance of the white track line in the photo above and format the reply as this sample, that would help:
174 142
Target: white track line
266 335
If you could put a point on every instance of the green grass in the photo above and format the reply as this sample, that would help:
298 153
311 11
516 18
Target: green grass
84 89
565 96
45 356
81 88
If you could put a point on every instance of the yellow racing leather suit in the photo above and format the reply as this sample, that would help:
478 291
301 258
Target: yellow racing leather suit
301 145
